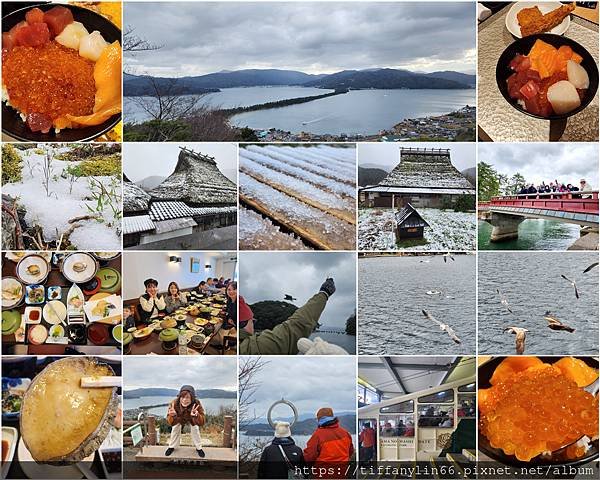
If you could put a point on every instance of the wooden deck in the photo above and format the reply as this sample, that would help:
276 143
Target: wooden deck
214 455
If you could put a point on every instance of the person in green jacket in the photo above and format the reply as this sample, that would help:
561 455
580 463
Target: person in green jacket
283 339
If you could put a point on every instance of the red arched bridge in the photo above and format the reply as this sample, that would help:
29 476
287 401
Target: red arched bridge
507 212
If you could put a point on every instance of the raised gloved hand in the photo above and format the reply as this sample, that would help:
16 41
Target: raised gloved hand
328 287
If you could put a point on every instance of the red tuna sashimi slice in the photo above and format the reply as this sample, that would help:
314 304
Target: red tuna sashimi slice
57 19
34 35
39 122
35 15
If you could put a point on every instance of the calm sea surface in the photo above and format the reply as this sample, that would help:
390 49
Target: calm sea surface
393 291
356 112
532 283
211 405
533 235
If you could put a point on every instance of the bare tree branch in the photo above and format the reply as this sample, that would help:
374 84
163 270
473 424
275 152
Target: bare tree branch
133 43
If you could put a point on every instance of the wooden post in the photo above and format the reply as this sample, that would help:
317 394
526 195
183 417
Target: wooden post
227 428
151 435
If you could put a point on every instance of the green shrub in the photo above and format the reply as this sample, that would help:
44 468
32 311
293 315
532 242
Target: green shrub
12 165
464 203
103 165
446 202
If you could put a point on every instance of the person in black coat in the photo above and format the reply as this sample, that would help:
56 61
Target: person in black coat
272 462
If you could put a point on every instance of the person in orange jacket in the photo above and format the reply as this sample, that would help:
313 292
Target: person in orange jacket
367 439
330 448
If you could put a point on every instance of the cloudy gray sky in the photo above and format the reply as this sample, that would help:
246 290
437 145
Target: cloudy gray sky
173 371
314 37
141 160
268 276
388 154
537 162
308 382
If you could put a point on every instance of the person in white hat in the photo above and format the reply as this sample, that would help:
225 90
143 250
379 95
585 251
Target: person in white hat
281 456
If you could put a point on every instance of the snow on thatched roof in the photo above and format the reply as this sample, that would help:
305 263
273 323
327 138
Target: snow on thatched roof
425 167
196 181
135 199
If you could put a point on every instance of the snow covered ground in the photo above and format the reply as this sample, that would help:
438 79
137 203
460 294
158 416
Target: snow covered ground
449 230
52 212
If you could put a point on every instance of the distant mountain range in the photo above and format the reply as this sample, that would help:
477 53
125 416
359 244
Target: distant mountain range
471 175
171 392
370 176
151 182
382 78
304 426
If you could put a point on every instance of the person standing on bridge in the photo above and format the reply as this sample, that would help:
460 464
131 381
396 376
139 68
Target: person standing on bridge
283 338
186 409
585 187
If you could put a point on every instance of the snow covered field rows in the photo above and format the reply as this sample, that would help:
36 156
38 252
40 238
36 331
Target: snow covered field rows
306 159
449 230
323 179
288 191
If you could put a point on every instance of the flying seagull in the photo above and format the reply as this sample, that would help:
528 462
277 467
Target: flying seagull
573 284
504 300
555 324
521 334
443 326
595 264
447 255
289 297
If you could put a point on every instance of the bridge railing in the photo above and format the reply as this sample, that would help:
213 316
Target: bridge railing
576 202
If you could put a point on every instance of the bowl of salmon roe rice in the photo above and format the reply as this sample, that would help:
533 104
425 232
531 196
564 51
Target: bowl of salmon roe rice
53 79
531 407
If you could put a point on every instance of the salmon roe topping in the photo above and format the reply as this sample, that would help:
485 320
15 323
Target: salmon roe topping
538 410
51 79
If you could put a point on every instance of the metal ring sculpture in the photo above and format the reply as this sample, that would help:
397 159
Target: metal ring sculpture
284 402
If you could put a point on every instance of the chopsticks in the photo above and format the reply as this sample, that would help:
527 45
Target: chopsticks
100 382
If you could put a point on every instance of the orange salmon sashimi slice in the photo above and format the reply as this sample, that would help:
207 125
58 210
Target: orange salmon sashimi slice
547 60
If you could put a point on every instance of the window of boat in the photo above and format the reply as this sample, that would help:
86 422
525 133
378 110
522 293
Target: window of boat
467 388
466 405
436 415
445 396
397 425
402 407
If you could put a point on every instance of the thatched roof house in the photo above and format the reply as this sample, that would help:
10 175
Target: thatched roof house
196 197
197 181
135 199
425 177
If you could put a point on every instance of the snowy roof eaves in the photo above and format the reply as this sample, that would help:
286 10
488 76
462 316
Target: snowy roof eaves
138 224
439 191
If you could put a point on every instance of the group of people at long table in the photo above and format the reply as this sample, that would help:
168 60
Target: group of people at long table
153 304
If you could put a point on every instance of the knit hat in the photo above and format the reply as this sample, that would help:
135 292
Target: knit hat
282 430
245 313
324 412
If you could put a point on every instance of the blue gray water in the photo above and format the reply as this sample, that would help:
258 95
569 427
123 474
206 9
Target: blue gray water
533 235
391 294
211 405
532 283
356 112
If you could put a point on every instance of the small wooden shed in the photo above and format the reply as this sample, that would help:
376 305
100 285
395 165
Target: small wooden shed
409 223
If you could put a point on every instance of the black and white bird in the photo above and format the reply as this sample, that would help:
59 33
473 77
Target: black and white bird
504 300
447 255
289 298
555 324
521 336
443 327
573 284
595 264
